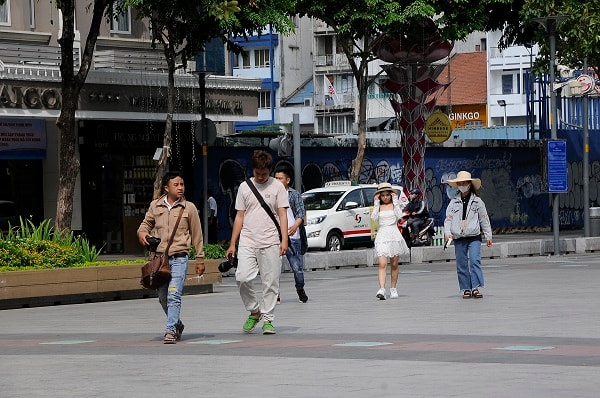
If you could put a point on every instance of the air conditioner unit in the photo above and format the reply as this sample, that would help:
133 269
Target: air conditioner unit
307 101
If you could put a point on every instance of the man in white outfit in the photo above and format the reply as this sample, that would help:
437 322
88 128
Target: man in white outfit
260 248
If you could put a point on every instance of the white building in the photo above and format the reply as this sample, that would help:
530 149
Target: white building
507 82
309 75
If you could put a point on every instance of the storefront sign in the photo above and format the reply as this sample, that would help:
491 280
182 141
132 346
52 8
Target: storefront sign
22 139
587 83
438 127
19 96
465 116
140 99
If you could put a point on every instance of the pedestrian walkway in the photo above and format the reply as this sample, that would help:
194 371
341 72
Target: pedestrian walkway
534 334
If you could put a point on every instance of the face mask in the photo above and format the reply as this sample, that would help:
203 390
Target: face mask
463 188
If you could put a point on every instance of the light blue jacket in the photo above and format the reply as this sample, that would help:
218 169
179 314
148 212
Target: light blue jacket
475 222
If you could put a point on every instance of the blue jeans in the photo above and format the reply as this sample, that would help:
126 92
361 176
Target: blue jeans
296 261
170 294
468 263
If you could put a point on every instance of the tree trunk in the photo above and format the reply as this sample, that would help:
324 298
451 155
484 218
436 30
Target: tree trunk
163 163
68 162
357 163
71 85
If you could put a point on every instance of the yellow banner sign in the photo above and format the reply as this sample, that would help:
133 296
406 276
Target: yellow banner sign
438 127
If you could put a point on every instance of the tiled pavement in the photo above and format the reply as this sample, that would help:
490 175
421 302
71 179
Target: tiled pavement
534 334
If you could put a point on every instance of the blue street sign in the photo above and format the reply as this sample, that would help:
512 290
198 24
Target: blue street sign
557 166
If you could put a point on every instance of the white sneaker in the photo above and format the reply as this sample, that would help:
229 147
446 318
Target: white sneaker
381 294
393 293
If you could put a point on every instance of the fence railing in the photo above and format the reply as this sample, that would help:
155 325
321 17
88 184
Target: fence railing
34 55
130 60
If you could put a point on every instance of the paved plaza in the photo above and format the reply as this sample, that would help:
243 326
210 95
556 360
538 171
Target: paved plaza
536 333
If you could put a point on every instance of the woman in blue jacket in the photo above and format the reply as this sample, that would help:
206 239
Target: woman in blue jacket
466 219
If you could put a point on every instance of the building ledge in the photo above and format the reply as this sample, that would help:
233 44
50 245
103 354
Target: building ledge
119 42
21 36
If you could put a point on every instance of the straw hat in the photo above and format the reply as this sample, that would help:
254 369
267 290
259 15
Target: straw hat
464 176
384 186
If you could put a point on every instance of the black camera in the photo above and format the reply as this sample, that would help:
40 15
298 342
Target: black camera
153 243
228 264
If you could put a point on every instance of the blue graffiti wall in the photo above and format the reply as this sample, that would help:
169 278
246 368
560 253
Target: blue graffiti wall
511 179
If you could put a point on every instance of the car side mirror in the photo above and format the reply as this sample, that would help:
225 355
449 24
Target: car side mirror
350 205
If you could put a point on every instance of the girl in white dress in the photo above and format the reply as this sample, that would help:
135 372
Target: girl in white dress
389 243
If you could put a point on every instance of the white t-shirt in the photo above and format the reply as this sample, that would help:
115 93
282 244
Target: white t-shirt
291 221
258 230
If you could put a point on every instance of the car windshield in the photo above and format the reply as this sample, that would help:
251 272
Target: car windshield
321 200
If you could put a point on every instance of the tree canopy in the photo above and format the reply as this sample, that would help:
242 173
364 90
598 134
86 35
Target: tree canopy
363 25
184 27
577 32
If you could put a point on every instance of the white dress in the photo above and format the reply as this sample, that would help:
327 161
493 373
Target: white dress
389 241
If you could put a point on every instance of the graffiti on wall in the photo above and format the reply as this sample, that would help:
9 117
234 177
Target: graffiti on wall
511 178
512 186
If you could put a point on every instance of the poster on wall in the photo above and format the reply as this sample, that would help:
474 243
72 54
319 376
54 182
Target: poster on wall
22 139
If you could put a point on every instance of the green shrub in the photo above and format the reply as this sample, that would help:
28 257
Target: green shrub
29 246
40 247
212 251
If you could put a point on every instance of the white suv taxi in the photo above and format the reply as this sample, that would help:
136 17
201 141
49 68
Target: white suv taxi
338 215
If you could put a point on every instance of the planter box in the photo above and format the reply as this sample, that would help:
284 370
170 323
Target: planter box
79 285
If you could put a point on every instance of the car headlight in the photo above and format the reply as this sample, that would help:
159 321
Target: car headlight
316 220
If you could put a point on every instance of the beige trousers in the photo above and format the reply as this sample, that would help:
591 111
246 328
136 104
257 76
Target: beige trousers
251 262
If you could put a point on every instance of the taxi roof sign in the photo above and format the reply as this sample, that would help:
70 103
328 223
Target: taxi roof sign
341 183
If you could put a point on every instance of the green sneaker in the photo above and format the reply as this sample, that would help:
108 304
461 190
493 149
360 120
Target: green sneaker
250 323
268 328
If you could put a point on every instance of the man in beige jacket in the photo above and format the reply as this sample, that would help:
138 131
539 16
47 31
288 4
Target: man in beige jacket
159 221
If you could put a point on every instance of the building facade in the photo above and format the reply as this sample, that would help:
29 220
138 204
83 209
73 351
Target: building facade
120 118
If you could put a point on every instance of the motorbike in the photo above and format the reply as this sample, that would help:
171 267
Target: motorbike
425 235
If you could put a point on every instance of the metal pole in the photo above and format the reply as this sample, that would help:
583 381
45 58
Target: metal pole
551 26
202 77
586 160
505 128
297 162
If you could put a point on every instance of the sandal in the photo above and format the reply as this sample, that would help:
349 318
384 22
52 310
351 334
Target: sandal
170 338
179 330
467 294
476 294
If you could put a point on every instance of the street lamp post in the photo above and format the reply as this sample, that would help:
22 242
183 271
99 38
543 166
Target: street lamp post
202 75
550 23
586 159
502 103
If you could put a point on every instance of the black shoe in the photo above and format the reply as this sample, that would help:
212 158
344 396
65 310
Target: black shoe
179 330
302 295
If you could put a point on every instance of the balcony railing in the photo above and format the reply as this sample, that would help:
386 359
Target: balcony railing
338 60
33 55
136 60
339 101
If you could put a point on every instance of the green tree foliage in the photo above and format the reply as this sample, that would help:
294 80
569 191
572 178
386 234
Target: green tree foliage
361 25
577 35
183 28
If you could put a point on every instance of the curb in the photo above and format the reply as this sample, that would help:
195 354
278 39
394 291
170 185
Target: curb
433 254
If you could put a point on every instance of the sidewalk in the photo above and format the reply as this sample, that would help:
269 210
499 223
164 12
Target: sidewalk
534 334
360 253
